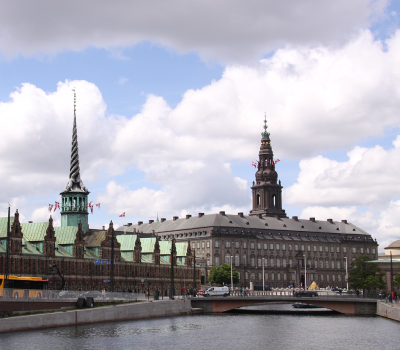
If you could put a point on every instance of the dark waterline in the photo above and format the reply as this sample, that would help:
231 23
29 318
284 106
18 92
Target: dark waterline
218 332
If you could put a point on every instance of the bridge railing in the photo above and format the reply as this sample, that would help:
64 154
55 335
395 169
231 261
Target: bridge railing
29 294
284 293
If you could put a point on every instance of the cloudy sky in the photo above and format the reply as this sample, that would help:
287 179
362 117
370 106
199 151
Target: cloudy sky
171 97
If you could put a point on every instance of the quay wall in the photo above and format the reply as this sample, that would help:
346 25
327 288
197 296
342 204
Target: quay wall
388 310
121 312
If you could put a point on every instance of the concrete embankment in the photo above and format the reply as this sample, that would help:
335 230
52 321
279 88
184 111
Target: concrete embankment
122 312
388 310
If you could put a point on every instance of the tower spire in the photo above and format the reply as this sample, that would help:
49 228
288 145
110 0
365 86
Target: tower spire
75 183
74 197
267 191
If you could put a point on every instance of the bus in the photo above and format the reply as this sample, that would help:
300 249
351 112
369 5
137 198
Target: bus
23 287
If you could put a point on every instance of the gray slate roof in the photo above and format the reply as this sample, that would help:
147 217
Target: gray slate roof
246 223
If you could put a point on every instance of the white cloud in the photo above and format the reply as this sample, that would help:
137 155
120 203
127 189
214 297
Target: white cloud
368 178
316 99
229 30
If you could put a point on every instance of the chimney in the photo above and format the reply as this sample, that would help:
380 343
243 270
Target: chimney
222 212
312 219
151 221
153 232
163 219
175 218
104 227
344 221
140 223
330 221
241 215
188 216
295 218
201 214
129 224
134 230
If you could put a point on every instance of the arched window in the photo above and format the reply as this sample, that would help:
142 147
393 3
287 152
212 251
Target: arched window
244 259
216 258
252 261
237 260
278 262
227 258
274 201
258 200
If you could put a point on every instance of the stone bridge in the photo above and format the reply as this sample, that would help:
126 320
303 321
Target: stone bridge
348 306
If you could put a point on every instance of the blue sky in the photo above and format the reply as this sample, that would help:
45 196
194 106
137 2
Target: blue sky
170 108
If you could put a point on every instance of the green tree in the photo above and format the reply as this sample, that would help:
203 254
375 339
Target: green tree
365 275
396 279
221 274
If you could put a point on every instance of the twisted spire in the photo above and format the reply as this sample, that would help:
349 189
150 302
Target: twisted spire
75 183
265 133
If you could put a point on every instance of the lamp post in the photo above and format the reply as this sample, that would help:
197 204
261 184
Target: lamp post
231 274
305 272
263 275
347 275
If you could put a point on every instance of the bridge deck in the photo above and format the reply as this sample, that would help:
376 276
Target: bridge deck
348 306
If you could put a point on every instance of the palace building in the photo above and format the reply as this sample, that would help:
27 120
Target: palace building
90 258
289 251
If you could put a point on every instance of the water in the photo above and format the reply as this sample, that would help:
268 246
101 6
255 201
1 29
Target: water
218 332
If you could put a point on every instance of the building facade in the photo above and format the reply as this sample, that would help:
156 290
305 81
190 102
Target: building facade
266 245
93 259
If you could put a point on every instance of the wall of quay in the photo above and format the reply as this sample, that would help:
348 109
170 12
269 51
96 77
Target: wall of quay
120 312
388 310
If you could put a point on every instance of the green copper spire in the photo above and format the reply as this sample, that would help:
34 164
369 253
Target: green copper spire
265 133
74 197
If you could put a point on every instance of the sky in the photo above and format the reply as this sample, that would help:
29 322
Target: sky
171 98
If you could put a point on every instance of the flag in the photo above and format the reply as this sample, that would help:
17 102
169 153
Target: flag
98 205
91 208
122 215
277 160
50 207
57 205
89 204
254 164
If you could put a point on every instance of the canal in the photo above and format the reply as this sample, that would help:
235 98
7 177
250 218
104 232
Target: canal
232 331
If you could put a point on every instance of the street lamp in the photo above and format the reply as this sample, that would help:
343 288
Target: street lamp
231 274
305 272
347 275
263 274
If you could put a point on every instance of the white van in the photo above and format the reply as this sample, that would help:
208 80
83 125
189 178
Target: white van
217 291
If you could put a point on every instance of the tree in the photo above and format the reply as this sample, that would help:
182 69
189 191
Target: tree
396 279
365 275
221 274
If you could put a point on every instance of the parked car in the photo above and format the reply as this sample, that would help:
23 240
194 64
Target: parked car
66 294
217 291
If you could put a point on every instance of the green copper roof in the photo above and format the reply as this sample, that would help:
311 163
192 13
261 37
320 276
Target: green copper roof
127 242
3 226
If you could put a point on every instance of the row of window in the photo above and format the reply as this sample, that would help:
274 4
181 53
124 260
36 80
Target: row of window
279 246
281 262
272 276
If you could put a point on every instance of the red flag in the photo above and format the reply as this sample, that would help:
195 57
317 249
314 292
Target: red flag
50 207
91 208
254 164
98 205
89 204
122 215
277 160
57 205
